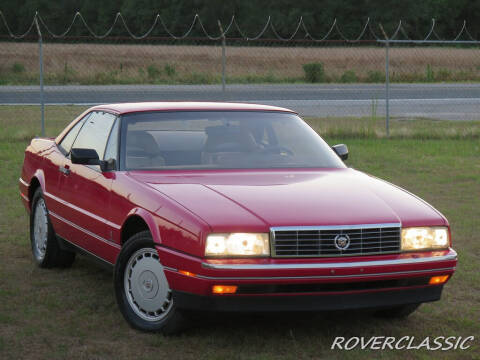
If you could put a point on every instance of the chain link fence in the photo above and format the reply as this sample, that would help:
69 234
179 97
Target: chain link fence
329 78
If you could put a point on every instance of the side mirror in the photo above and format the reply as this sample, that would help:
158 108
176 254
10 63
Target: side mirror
90 157
84 157
341 150
107 165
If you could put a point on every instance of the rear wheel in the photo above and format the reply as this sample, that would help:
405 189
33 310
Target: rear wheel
143 293
397 312
45 248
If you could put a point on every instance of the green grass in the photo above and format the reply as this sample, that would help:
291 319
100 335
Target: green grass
373 127
58 314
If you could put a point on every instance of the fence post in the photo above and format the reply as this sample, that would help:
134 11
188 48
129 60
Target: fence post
223 55
387 89
387 82
40 64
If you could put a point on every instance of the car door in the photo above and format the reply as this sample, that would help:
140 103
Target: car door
85 190
53 169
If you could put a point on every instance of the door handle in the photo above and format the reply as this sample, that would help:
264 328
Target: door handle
65 170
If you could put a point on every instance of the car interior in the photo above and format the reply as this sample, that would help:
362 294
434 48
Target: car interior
216 145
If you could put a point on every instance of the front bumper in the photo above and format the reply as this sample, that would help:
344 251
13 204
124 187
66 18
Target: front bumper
325 302
307 284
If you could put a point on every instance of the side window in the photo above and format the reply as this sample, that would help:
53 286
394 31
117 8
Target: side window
111 152
66 144
94 133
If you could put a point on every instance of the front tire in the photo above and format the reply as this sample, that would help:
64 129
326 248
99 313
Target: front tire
142 290
45 248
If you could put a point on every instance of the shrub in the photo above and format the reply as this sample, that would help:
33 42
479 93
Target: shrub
153 72
68 74
200 78
106 77
429 75
348 76
18 68
269 78
375 77
169 70
314 72
443 75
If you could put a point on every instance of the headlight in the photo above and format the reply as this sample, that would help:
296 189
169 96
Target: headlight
237 244
425 238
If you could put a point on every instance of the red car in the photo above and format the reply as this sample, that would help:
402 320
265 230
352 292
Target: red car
228 207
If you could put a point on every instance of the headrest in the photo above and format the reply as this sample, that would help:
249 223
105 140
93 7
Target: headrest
238 138
142 140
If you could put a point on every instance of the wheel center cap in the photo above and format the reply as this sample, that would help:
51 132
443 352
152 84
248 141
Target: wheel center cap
148 285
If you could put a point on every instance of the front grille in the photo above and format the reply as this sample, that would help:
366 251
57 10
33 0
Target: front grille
325 241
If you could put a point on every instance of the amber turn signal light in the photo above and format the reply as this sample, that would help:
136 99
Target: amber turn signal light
224 289
186 273
437 280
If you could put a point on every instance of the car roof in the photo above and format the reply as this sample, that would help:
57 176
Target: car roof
125 108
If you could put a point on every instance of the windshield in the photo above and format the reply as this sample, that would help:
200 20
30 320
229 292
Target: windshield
222 140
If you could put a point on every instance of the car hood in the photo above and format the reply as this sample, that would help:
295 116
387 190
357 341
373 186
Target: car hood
252 200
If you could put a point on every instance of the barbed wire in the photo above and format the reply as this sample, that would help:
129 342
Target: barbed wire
300 22
404 33
397 31
431 31
374 34
215 38
232 26
307 33
11 34
464 28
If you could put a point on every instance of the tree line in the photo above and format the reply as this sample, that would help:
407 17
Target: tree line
251 15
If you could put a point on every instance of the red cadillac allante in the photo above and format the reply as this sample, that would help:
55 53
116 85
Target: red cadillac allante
228 207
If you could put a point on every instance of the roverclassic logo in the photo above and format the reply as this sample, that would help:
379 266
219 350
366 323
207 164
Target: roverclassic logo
342 241
404 343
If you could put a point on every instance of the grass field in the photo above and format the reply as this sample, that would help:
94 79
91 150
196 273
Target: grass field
58 314
86 63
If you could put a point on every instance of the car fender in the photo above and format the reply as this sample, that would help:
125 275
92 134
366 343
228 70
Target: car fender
25 186
149 220
40 176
